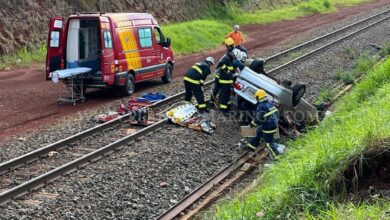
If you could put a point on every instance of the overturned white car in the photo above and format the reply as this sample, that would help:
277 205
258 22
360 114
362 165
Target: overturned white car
292 107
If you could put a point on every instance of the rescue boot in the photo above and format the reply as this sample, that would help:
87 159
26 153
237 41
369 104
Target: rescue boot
273 152
250 147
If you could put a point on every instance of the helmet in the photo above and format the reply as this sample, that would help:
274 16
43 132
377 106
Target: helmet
241 56
210 60
260 94
229 41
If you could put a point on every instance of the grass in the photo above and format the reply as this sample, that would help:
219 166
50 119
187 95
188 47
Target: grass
23 58
361 66
377 211
325 95
218 24
195 36
298 185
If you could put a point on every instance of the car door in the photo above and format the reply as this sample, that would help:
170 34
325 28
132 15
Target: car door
54 59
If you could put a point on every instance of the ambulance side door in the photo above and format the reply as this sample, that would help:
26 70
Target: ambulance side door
158 47
54 59
147 55
107 53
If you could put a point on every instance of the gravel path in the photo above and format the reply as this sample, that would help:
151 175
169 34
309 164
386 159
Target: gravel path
130 184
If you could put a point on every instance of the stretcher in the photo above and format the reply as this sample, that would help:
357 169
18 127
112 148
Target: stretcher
73 80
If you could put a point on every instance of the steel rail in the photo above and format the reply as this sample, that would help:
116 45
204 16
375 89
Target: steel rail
59 145
183 204
67 168
199 192
300 46
325 46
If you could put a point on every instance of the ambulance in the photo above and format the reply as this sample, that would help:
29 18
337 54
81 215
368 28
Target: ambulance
121 49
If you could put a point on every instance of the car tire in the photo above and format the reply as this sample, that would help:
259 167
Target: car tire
167 78
257 66
128 88
287 83
299 90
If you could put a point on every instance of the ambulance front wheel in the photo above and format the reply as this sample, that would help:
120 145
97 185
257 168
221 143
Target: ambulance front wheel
167 78
128 88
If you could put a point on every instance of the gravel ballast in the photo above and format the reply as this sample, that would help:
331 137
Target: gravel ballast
141 180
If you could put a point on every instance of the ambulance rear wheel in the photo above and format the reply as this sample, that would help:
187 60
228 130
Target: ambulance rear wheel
128 88
167 78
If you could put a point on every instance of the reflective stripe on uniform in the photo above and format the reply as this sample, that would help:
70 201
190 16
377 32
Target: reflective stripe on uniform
272 110
222 106
217 76
254 123
191 80
202 106
228 67
270 149
197 69
270 131
222 81
201 81
251 146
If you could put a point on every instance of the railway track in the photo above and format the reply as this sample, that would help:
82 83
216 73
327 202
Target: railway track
41 166
182 208
92 153
299 52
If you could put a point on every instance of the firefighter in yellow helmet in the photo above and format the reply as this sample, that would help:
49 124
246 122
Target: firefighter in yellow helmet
224 76
266 120
193 82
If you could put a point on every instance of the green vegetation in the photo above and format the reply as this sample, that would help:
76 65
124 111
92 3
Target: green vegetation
361 65
379 210
209 32
301 183
385 51
325 95
195 36
23 58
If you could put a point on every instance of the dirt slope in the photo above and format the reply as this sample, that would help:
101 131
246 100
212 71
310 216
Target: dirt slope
27 100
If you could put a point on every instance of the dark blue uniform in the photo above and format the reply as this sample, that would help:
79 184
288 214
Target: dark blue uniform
224 79
193 82
266 120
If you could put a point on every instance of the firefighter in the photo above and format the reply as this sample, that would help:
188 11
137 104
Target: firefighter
226 69
266 120
193 82
238 38
229 43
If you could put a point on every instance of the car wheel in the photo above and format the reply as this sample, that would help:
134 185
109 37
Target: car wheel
257 65
167 78
299 90
287 83
128 88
